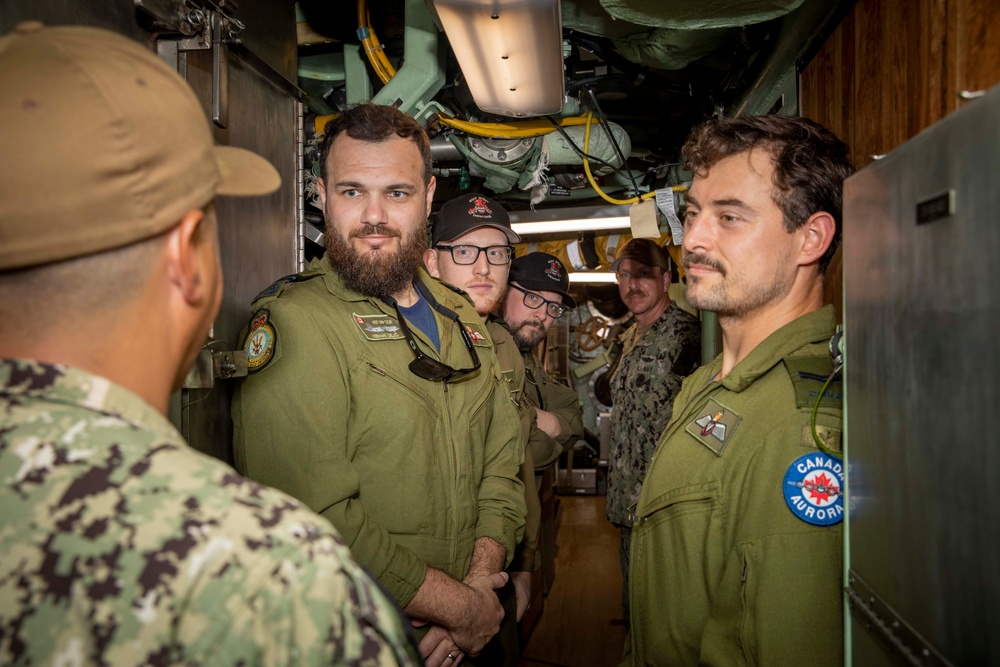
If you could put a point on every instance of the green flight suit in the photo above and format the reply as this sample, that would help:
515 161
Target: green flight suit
723 572
542 392
410 471
503 649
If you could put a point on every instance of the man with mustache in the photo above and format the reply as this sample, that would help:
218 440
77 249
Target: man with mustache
374 394
471 249
736 537
659 350
538 296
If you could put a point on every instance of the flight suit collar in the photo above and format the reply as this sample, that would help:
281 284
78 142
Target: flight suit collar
444 296
815 327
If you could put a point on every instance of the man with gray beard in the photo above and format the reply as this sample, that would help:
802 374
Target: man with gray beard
374 394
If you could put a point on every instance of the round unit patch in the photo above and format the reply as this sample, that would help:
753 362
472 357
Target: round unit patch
814 489
260 342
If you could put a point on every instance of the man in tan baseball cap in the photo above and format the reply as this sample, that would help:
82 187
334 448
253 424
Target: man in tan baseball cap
120 543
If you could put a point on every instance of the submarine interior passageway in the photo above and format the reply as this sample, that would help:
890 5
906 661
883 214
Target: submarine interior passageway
572 115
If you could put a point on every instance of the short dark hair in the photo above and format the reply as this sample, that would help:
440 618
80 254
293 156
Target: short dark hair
375 123
810 163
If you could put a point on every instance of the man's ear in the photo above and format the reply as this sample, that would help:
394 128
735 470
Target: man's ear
666 279
431 263
321 191
431 186
817 235
183 259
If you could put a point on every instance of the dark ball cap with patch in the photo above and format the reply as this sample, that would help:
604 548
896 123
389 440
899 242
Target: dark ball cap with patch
643 251
461 215
541 271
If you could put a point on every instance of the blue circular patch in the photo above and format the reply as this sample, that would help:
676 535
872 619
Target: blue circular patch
814 489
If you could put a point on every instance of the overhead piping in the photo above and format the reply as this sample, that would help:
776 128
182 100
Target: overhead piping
373 48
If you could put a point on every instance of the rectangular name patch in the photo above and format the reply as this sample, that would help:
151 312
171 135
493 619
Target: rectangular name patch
378 327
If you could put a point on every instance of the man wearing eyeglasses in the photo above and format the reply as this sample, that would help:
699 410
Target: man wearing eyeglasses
373 394
471 249
659 350
538 296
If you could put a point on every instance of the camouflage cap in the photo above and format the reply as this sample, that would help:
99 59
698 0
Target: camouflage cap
103 145
643 251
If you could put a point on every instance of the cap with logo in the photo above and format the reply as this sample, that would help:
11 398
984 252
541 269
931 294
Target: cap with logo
463 214
103 145
643 251
542 271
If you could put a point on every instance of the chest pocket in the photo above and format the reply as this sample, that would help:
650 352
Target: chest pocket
690 499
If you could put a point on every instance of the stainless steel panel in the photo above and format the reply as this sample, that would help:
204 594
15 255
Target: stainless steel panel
258 236
921 317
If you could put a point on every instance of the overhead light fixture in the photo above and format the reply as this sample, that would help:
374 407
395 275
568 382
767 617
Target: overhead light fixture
510 52
592 277
570 220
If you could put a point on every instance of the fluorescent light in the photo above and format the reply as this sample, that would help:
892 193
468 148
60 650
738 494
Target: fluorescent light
570 220
592 277
510 52
567 226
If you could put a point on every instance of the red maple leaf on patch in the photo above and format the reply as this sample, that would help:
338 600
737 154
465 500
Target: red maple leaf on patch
821 488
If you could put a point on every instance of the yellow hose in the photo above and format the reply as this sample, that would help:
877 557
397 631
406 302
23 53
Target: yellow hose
593 183
373 49
515 130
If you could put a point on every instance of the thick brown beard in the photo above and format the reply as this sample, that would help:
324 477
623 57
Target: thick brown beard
527 339
380 273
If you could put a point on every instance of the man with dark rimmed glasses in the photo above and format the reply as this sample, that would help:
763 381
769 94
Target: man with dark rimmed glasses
538 296
471 249
373 394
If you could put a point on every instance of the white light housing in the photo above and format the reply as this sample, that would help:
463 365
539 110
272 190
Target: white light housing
570 220
592 277
510 52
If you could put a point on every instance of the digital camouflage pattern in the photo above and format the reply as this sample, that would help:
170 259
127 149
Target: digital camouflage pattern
119 544
643 388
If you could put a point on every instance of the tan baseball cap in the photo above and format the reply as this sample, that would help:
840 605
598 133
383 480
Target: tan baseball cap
102 145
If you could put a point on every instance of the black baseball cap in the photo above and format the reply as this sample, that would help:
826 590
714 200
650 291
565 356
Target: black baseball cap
541 271
643 251
470 211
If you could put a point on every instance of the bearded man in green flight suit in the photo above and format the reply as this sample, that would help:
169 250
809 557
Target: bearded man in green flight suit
471 249
538 296
376 398
736 553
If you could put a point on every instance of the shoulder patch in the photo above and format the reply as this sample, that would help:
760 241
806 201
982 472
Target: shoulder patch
808 375
814 489
714 426
261 341
378 326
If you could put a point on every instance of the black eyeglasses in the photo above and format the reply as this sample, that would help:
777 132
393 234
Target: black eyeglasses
497 255
429 368
536 301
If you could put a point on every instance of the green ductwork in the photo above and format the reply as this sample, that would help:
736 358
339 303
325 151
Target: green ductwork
422 74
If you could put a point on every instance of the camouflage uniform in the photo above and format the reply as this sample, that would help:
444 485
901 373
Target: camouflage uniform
121 545
643 387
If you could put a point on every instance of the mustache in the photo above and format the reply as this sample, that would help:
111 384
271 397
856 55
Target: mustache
704 260
634 292
381 229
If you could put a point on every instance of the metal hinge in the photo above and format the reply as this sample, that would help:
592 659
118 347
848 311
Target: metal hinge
212 365
900 641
